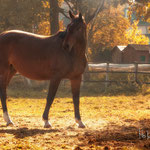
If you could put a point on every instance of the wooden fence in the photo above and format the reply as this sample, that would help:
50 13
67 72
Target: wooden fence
107 68
111 68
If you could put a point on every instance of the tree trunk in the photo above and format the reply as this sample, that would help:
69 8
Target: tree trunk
54 16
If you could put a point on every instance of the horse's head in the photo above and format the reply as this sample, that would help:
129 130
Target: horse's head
75 32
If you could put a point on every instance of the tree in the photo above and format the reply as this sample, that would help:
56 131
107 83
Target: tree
111 29
30 15
54 16
106 25
52 24
22 14
89 8
141 9
134 36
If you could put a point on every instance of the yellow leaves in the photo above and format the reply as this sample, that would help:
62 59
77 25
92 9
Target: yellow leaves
134 35
19 144
89 51
60 2
103 115
45 4
111 29
44 28
61 25
141 10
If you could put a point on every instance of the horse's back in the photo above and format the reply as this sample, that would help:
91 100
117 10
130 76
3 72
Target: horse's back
20 42
20 34
32 55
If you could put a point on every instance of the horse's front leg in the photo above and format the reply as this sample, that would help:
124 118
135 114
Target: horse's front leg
51 95
75 86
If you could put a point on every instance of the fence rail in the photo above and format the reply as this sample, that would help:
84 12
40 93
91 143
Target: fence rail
109 68
113 68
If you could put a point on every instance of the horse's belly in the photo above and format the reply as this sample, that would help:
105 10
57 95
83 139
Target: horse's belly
35 76
43 66
34 71
44 70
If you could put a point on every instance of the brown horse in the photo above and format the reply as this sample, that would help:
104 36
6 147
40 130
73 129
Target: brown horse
45 58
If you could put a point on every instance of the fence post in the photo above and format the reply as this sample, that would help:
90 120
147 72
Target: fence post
107 75
135 72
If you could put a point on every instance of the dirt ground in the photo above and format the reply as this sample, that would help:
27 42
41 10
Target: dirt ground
111 123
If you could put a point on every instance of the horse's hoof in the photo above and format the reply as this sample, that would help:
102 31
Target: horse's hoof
10 124
47 125
80 124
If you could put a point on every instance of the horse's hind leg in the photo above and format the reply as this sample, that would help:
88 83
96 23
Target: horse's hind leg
4 105
4 81
11 73
3 99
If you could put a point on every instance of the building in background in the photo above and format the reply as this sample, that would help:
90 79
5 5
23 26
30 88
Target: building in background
136 53
117 54
131 53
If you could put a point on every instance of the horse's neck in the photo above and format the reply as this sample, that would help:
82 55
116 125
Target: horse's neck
78 61
79 50
78 55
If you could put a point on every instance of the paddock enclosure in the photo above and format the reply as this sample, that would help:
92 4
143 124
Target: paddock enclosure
119 121
112 122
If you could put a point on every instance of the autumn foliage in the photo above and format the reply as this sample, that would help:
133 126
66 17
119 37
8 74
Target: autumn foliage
111 28
107 29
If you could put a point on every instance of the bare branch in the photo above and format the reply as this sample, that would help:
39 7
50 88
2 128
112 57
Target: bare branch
99 9
68 5
63 12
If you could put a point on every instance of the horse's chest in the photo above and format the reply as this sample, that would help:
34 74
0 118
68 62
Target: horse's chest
78 68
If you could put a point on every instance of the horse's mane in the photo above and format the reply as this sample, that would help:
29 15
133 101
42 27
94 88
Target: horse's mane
62 34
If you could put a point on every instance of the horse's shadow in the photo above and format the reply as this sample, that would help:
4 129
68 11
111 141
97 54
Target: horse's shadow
25 132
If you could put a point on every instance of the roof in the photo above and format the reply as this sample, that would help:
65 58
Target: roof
121 48
140 47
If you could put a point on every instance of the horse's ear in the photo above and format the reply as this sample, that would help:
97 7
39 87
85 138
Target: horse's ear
71 15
